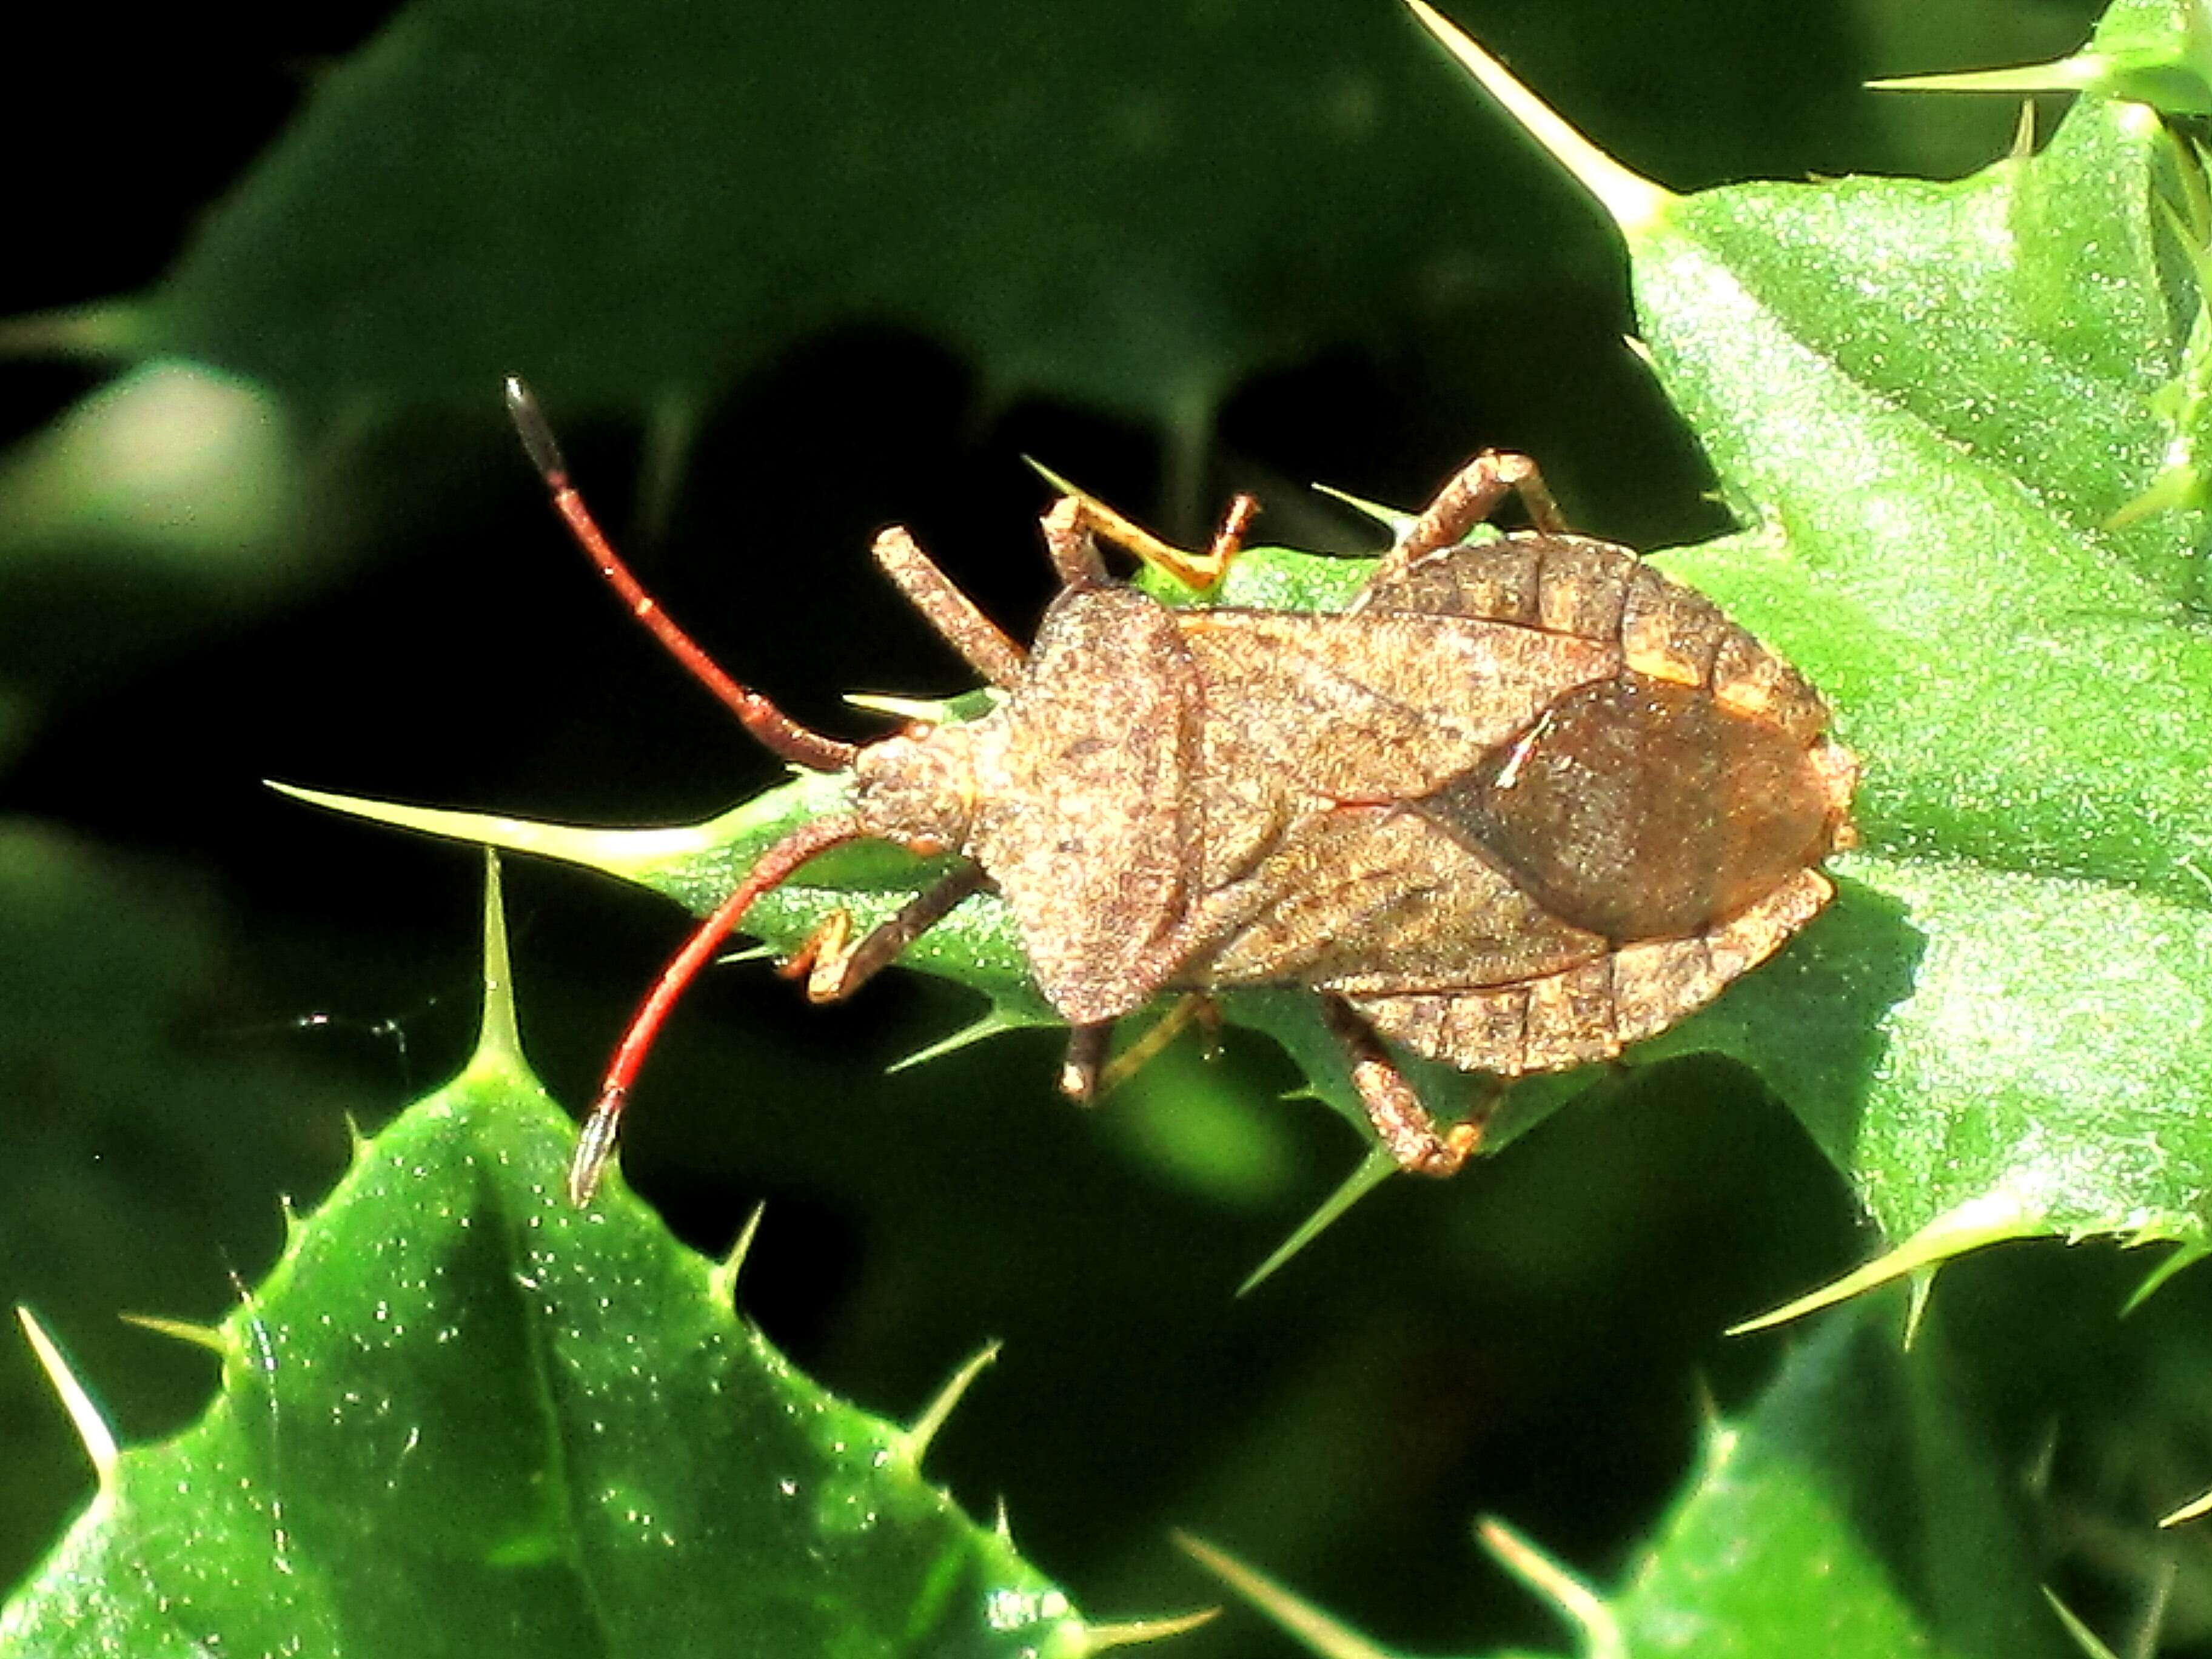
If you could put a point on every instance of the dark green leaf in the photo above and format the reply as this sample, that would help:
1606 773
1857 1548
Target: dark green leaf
463 1417
1853 1502
1851 1513
143 1111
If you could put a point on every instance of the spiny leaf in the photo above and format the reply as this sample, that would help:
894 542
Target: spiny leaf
1930 402
1779 1515
768 175
1850 1512
641 203
142 1113
2161 56
462 1416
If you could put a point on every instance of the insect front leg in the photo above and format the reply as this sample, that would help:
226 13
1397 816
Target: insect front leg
1406 1128
1076 523
980 641
835 965
1473 493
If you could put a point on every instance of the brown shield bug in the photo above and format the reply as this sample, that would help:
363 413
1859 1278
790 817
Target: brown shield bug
1524 802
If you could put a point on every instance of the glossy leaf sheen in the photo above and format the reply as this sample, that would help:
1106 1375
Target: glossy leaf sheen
115 966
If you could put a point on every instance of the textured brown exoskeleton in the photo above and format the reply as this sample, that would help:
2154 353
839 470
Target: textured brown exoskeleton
1524 802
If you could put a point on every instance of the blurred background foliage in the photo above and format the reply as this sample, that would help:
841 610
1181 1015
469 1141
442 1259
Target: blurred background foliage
781 277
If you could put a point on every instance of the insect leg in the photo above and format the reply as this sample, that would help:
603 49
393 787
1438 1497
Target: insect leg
1068 544
1191 1008
1188 1010
1086 1053
979 640
835 965
1404 1126
1473 494
770 725
1077 522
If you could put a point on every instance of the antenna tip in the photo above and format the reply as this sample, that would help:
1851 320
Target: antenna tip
536 433
595 1149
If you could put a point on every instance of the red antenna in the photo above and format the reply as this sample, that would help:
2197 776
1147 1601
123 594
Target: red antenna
776 730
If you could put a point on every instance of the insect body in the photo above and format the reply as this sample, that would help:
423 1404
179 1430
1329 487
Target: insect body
1525 802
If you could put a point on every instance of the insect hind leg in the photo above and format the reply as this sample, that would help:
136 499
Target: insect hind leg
1470 496
1191 1008
1086 1053
1407 1130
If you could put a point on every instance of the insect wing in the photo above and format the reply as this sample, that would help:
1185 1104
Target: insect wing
1374 706
1365 898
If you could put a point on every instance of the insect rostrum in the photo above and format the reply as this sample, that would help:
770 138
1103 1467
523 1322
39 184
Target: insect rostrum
1524 802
